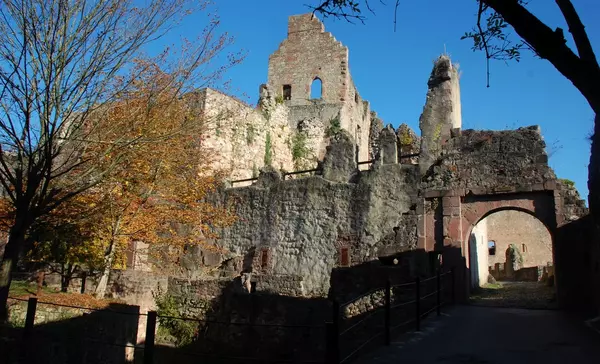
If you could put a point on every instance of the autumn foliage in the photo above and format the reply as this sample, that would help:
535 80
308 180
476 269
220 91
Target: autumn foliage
156 192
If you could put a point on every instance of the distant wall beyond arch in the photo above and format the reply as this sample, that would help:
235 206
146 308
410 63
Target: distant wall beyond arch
523 230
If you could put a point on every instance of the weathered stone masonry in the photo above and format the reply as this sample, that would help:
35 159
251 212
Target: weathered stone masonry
292 233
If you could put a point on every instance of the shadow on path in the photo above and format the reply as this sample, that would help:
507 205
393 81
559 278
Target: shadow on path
481 335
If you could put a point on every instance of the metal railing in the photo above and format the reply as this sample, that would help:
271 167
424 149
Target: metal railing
149 348
397 308
316 170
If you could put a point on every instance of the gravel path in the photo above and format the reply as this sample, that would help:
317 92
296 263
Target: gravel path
515 294
486 335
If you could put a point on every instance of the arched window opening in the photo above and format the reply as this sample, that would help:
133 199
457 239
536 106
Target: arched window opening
492 247
524 248
316 88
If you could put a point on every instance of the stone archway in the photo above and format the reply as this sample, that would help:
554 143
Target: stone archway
510 229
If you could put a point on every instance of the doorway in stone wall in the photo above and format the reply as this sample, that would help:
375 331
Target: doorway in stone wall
511 261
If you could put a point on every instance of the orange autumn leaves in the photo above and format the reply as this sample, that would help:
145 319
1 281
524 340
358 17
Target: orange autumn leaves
158 175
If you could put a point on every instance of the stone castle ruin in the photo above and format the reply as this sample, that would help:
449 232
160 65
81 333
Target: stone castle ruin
414 203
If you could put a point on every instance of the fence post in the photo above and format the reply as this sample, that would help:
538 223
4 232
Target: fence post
453 286
388 306
333 335
439 293
418 302
30 318
27 331
150 334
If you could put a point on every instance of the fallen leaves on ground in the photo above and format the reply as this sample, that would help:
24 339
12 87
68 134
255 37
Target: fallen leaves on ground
515 294
70 299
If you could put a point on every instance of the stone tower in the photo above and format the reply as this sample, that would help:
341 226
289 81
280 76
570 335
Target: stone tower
310 54
442 111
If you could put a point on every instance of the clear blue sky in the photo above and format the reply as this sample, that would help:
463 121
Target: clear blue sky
390 69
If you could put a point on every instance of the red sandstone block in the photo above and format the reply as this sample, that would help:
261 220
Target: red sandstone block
454 229
455 201
550 185
421 226
447 210
432 193
505 189
420 207
537 187
525 188
478 191
421 241
447 242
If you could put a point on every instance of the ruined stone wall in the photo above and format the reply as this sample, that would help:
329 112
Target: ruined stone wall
356 118
302 224
486 161
528 234
309 52
238 135
314 121
441 113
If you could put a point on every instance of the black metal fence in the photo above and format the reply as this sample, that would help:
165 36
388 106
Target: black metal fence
403 305
357 325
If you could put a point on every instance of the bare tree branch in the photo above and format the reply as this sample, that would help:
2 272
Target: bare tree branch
576 28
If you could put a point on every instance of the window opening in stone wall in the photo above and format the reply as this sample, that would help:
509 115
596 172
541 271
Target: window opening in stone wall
264 259
524 248
492 247
316 88
356 96
287 92
345 257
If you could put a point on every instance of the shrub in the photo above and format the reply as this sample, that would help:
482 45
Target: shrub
179 332
334 127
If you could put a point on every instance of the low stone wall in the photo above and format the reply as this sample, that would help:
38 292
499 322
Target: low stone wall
45 313
527 274
73 335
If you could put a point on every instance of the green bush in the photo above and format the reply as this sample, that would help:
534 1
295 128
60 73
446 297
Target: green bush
179 332
334 127
567 182
299 148
268 160
250 134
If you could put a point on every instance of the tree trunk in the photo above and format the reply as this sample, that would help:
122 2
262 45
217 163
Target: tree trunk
108 261
594 172
16 240
65 277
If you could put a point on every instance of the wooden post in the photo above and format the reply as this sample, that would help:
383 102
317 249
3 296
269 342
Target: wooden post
83 279
28 330
453 285
150 335
418 303
388 306
335 333
30 318
439 293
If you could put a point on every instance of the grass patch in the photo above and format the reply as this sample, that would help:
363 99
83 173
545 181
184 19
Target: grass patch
24 288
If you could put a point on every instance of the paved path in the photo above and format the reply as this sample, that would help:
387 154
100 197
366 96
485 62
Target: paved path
486 335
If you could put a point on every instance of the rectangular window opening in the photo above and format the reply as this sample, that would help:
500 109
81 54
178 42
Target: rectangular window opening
344 257
264 259
287 92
